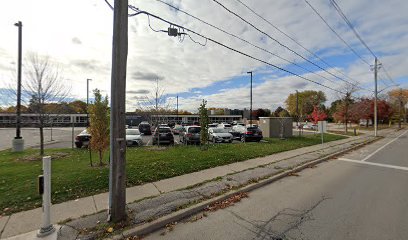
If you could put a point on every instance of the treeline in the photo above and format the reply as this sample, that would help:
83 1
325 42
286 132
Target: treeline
76 106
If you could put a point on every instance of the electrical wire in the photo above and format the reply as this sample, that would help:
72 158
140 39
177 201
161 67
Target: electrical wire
338 35
154 30
293 39
269 36
342 15
137 12
256 46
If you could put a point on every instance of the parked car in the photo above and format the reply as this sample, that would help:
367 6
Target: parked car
190 134
133 137
163 135
225 126
310 126
82 139
216 135
145 128
249 134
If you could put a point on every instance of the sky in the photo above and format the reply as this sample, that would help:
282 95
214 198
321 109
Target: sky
77 36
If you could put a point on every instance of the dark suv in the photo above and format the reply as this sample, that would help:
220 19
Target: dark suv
190 134
145 128
249 134
163 135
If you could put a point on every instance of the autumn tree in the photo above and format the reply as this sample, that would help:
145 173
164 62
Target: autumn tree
399 99
78 106
307 101
44 85
99 124
317 115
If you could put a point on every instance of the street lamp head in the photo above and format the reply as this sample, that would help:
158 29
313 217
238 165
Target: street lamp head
249 72
18 24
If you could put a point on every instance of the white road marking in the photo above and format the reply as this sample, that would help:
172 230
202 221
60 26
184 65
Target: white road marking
376 151
374 164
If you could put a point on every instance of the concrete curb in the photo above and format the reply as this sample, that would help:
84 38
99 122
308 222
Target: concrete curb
185 213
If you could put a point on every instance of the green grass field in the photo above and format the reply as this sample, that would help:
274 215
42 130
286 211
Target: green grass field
72 176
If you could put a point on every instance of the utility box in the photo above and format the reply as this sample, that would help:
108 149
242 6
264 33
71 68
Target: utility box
276 127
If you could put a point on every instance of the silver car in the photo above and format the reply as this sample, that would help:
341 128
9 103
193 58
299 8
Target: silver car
133 137
219 135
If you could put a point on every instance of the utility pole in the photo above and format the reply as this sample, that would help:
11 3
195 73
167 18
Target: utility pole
117 173
400 108
375 96
250 108
18 141
297 112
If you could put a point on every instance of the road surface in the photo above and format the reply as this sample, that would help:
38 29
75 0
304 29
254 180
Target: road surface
362 195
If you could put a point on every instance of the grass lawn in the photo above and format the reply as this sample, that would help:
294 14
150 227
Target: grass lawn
72 177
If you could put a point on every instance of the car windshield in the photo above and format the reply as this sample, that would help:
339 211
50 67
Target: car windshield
220 130
194 129
227 125
252 129
164 130
132 132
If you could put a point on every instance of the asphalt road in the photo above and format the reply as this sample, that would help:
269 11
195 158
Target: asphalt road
61 137
361 198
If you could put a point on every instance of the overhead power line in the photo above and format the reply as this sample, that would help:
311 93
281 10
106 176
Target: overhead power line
350 25
294 40
256 46
342 15
281 44
138 11
338 35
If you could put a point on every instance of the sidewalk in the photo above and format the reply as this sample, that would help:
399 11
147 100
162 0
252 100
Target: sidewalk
27 221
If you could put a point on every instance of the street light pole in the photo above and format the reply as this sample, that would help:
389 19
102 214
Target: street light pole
18 142
87 101
177 111
250 108
87 118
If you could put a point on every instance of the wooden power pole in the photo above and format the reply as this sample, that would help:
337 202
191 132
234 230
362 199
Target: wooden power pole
117 174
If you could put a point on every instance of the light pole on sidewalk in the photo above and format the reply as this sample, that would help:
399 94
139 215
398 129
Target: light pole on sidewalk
18 141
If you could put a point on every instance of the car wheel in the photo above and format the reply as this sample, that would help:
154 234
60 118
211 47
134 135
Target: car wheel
213 140
242 139
78 145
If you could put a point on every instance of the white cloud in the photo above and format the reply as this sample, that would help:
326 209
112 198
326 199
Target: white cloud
78 35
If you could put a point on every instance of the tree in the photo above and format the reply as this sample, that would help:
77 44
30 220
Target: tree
78 106
260 112
399 99
317 115
44 85
307 101
99 124
204 120
155 104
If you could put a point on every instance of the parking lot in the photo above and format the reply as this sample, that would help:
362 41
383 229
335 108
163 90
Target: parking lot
62 137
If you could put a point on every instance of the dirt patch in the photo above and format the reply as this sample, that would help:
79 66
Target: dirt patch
36 157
